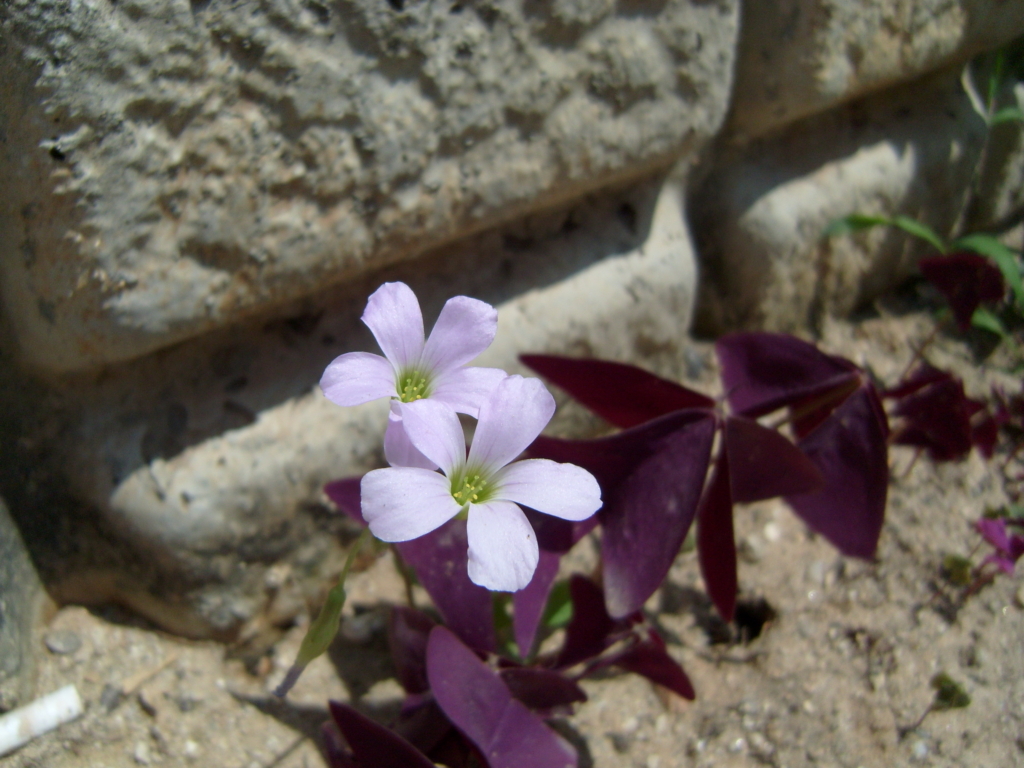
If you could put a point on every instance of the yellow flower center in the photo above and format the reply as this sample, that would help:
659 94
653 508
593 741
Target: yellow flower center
412 385
470 488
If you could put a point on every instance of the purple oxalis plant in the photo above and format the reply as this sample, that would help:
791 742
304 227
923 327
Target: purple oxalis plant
653 473
465 698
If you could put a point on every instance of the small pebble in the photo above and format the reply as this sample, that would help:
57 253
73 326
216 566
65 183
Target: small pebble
920 750
141 753
191 750
773 532
110 697
738 745
653 761
62 641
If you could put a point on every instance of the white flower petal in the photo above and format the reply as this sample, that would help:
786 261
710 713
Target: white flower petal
393 315
398 448
434 429
464 329
358 377
510 419
465 389
562 490
503 550
403 503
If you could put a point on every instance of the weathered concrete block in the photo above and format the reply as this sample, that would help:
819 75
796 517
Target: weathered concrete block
21 600
800 57
171 166
999 194
208 460
760 216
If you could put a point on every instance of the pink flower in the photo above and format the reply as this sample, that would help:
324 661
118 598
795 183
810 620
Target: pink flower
413 370
402 503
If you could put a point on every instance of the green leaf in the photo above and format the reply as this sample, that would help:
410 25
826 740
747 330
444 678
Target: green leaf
949 694
917 229
995 78
957 570
984 319
855 222
558 611
501 603
1003 257
1007 115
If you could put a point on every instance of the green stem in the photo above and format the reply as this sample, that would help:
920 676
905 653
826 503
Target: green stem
324 628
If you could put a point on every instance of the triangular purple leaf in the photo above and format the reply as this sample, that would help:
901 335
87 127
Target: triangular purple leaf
850 451
716 543
613 458
650 658
373 745
623 395
345 493
479 703
762 372
935 414
440 560
764 464
408 630
646 518
966 279
542 690
528 603
588 630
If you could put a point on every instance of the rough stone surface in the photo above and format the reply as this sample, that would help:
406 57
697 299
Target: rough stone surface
799 57
207 461
170 166
1000 187
21 599
759 218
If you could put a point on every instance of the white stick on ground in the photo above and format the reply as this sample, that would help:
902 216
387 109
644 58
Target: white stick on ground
20 726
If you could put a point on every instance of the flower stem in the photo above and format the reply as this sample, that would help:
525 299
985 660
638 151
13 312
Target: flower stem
321 632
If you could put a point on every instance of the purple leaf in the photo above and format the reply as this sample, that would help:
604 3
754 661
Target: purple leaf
479 703
422 723
850 451
935 414
614 458
762 372
647 516
764 464
373 745
651 659
408 630
592 631
555 534
542 690
345 493
1009 547
966 279
528 603
588 630
440 560
335 750
716 544
621 394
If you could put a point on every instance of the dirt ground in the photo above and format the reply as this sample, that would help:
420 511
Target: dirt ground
840 667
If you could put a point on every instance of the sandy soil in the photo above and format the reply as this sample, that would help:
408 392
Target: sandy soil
841 664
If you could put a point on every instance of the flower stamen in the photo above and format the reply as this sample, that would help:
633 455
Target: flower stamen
412 386
470 489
